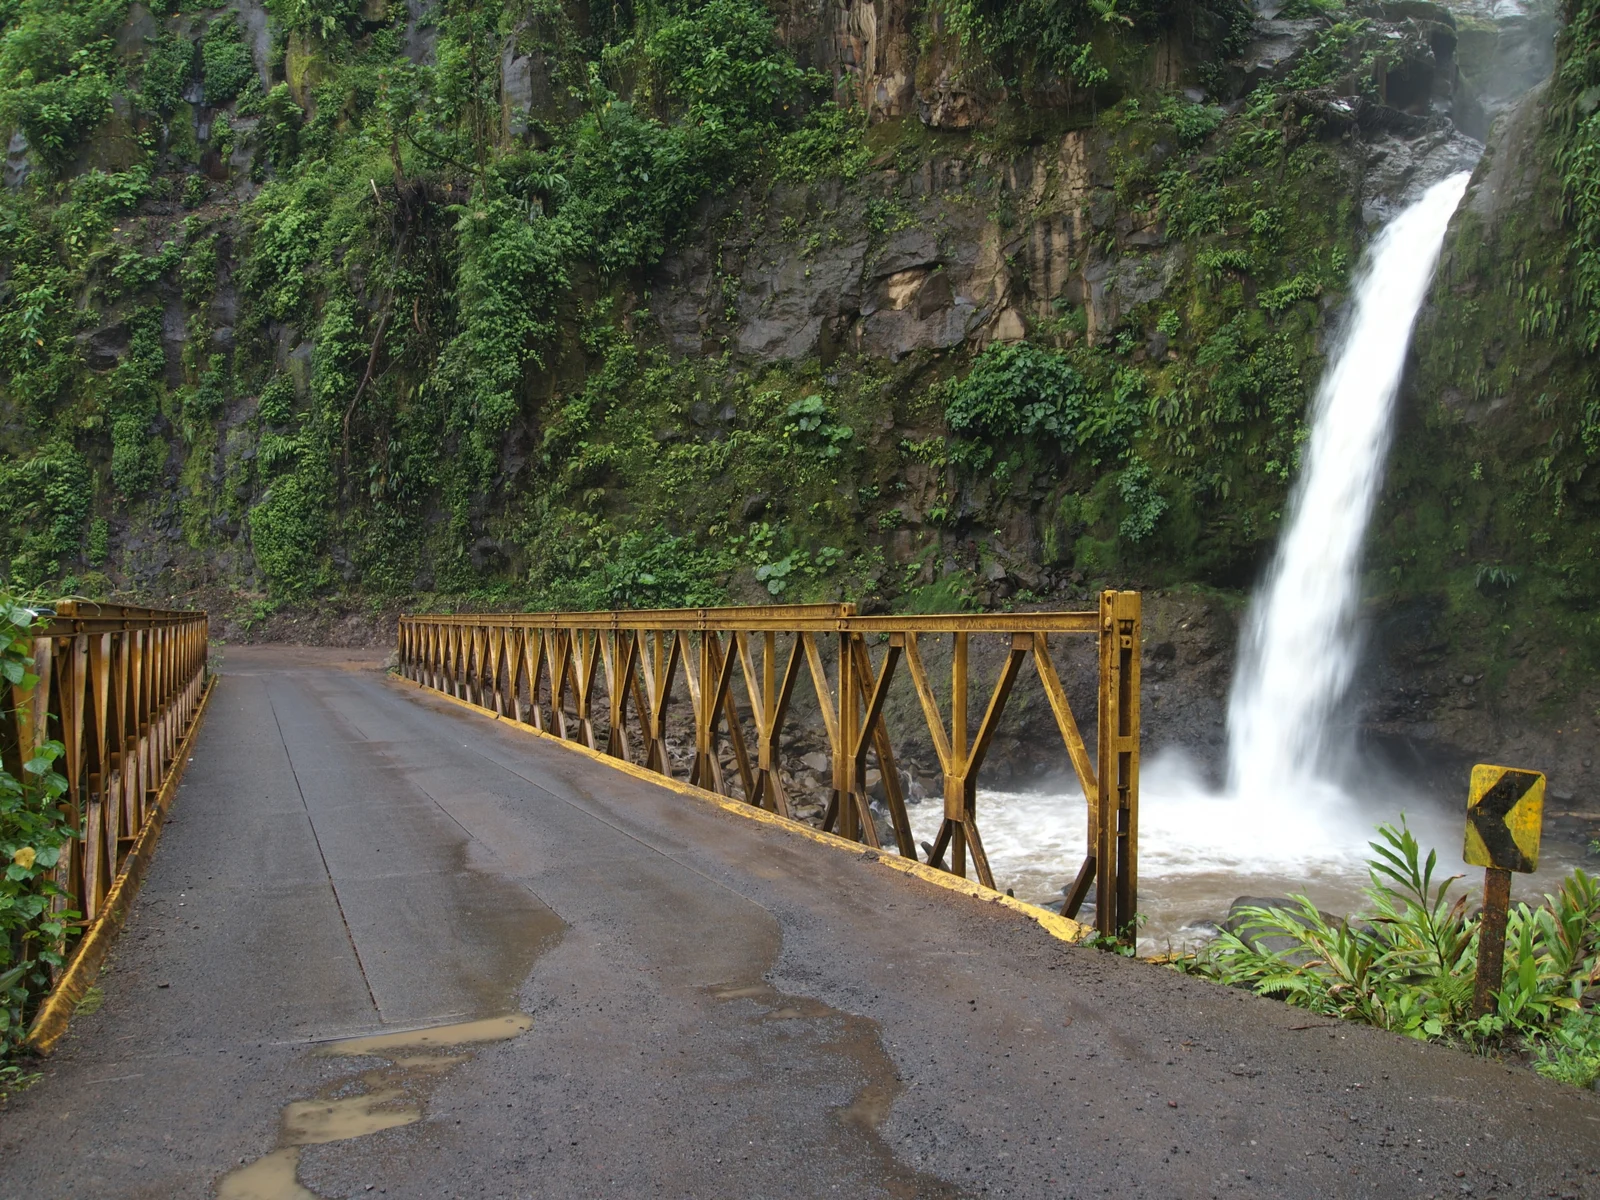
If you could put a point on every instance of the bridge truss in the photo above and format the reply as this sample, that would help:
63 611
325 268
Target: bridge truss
548 670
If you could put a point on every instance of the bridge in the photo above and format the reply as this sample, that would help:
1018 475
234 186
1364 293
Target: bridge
497 923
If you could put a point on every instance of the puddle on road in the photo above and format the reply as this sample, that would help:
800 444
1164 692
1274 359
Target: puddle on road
490 1029
858 1043
385 1097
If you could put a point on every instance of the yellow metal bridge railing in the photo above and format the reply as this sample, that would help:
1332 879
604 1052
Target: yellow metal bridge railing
118 687
547 671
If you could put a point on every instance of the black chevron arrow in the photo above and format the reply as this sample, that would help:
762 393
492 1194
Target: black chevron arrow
1488 817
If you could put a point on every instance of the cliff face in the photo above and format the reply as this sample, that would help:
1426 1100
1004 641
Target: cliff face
1484 562
923 304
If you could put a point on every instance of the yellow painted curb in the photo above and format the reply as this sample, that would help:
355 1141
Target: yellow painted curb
62 1002
1057 926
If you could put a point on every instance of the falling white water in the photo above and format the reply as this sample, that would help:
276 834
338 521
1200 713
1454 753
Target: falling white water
1283 824
1299 650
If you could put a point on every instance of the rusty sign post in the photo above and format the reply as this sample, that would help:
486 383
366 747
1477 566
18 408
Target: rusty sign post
1505 809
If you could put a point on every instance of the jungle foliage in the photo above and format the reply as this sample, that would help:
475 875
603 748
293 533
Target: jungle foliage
34 829
367 316
1490 515
1409 962
443 257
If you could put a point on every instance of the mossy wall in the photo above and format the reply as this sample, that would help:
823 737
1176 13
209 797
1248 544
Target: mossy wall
939 304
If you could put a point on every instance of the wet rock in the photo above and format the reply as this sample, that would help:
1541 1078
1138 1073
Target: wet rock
104 347
785 304
136 32
905 250
299 368
951 102
16 165
525 91
1240 923
1275 46
1401 166
252 16
422 35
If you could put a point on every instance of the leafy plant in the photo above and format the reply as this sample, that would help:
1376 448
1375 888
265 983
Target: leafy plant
1572 1052
1408 964
323 18
810 424
226 64
1144 503
34 830
1028 395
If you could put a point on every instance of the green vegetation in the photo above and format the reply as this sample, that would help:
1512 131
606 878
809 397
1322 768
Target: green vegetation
1408 965
1578 161
56 69
1033 41
1026 395
467 310
33 830
1490 519
473 407
227 68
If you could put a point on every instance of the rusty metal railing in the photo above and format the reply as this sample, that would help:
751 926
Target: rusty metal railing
545 670
118 687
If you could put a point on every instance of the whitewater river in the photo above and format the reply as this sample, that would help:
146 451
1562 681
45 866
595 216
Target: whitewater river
1199 850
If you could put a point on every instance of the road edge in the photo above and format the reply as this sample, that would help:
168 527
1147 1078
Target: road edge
50 1024
1062 928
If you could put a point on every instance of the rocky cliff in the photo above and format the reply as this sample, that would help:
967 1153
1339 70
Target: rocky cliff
329 305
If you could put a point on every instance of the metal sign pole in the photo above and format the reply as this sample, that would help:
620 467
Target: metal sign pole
1491 939
1505 811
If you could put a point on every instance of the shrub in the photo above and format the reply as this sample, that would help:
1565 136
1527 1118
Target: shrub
168 67
227 66
34 829
54 62
44 501
810 424
1408 965
1026 393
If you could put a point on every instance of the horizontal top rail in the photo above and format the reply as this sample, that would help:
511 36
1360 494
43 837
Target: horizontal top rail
85 616
781 618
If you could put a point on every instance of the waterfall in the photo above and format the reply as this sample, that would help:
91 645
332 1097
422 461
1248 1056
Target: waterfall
1299 648
1283 823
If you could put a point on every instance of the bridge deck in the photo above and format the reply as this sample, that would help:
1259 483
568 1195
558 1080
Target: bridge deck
719 1009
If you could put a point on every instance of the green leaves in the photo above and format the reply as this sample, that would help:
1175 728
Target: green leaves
322 18
1020 395
55 65
33 831
169 65
44 502
227 67
1409 964
810 424
721 65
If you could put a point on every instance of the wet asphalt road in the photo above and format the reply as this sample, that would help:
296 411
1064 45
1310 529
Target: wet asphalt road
719 1008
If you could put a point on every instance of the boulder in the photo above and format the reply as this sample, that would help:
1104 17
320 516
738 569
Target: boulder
1239 923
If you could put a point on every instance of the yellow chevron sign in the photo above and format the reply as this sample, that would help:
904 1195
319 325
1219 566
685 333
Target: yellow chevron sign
1505 812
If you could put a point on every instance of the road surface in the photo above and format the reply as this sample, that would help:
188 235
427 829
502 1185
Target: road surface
670 1000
